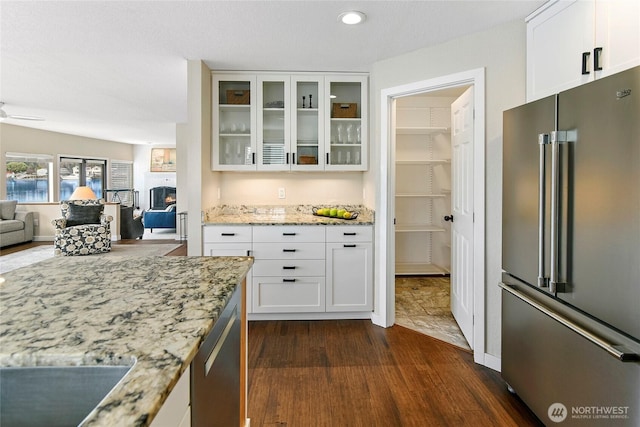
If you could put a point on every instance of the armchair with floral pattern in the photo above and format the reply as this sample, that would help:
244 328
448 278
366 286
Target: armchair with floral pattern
83 228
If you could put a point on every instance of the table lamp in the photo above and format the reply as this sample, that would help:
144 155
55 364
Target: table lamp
83 193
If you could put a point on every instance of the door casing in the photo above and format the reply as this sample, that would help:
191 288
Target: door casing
384 313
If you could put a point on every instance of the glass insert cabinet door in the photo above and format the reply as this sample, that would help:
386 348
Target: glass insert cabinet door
234 122
307 123
274 133
347 126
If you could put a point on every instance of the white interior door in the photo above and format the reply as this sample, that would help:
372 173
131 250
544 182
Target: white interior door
462 209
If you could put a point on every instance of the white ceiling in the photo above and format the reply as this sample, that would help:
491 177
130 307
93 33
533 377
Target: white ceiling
118 70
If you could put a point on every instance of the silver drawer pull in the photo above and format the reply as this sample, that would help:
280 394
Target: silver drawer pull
614 350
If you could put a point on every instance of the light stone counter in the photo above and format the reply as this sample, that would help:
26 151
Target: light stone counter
282 215
94 310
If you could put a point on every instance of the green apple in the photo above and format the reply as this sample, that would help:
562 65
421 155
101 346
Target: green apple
333 212
341 213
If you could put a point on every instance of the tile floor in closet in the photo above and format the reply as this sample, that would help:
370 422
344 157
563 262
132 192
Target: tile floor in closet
423 305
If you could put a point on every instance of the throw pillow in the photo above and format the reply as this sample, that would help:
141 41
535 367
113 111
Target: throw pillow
8 209
84 214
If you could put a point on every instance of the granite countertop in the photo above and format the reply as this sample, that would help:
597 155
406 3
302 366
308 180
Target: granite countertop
282 215
92 310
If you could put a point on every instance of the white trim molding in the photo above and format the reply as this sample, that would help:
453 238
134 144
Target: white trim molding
384 313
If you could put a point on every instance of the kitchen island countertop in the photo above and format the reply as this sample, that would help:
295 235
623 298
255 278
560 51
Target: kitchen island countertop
282 215
91 310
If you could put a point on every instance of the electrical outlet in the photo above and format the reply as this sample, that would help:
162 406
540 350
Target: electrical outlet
281 193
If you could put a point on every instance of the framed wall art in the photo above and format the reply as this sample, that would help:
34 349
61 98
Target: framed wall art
163 160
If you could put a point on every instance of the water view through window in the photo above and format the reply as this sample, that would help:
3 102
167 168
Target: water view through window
28 177
76 172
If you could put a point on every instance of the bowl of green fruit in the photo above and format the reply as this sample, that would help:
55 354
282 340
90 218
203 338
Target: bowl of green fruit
335 212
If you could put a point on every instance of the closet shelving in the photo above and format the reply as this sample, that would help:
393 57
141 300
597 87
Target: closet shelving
423 182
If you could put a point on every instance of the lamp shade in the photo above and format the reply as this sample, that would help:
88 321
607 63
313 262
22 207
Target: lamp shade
83 193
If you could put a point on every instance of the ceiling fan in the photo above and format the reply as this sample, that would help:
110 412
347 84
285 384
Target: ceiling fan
4 115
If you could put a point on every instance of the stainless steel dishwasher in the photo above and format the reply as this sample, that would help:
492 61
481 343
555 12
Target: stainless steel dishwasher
215 371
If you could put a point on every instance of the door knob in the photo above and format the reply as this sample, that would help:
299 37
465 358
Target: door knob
448 218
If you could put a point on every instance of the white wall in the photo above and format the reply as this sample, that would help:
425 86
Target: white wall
143 179
501 51
197 137
261 188
20 139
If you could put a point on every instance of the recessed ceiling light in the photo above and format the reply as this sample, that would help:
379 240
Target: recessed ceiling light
352 17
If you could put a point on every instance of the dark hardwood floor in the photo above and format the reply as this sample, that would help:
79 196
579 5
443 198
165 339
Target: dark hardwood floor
347 373
353 373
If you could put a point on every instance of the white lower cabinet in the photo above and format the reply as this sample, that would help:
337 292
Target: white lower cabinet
349 271
288 273
176 410
288 294
229 240
301 271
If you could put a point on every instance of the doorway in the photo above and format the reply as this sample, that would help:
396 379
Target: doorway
423 215
384 314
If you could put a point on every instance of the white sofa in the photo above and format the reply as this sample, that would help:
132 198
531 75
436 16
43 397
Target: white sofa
15 227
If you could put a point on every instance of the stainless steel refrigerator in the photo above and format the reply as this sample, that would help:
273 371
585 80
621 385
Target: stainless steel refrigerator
571 254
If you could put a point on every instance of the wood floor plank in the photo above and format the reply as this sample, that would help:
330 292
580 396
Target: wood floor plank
353 373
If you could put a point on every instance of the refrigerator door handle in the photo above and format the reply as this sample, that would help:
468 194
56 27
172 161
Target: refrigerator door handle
543 141
557 138
617 351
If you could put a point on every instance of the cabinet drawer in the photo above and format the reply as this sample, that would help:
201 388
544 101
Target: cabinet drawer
227 249
358 233
296 233
288 268
293 250
227 233
274 295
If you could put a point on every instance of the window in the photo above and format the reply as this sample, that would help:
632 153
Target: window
29 177
121 178
75 172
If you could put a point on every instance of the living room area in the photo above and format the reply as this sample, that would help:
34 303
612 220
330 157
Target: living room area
134 180
19 249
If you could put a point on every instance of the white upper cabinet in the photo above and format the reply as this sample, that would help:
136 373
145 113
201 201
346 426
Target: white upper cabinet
233 122
307 122
274 131
618 34
283 122
573 42
346 130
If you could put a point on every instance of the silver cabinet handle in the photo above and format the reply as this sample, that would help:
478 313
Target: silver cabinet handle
614 350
